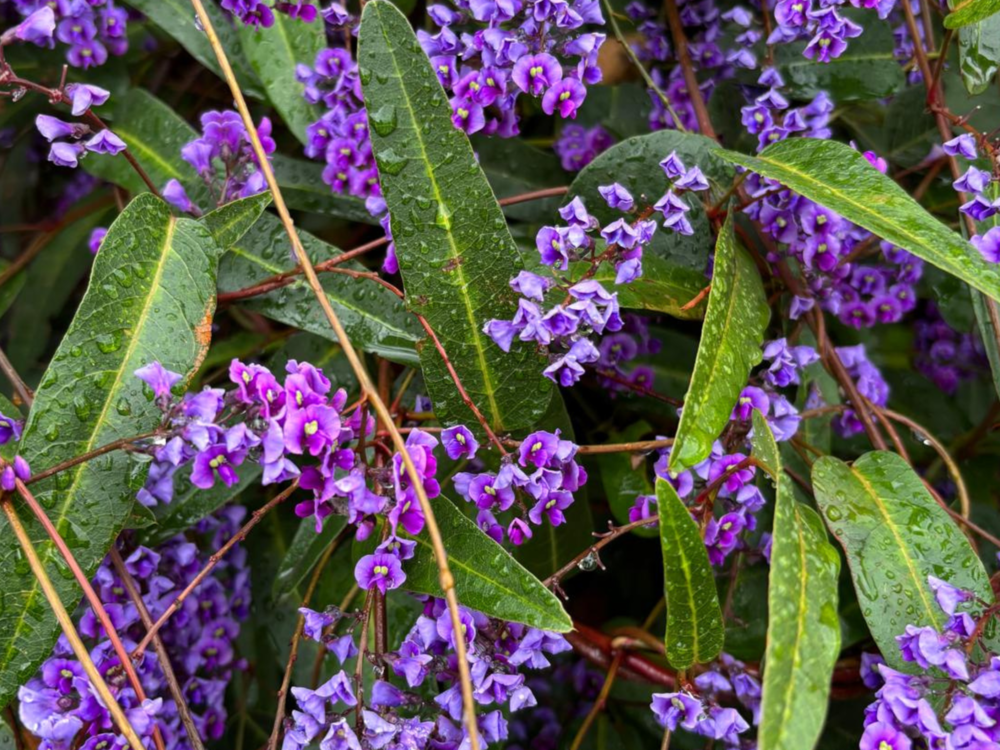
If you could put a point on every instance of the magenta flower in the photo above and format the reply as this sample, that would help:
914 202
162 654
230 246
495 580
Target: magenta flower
533 74
566 95
380 570
314 428
882 736
459 442
216 462
159 379
988 244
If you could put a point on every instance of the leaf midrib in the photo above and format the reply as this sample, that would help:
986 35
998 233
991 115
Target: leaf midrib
45 553
489 388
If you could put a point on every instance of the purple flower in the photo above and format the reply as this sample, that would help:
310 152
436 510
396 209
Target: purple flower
10 429
575 214
882 736
673 709
533 74
216 462
314 428
96 239
750 398
674 212
693 179
567 95
105 142
83 96
617 196
52 128
988 244
36 28
64 154
672 166
315 622
963 145
948 596
459 442
531 285
175 194
159 379
340 737
380 570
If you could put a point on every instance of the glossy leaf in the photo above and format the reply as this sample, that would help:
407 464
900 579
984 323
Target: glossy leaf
230 222
979 54
455 252
803 634
273 53
178 20
303 552
635 165
730 347
151 297
514 167
155 135
867 69
989 332
965 12
303 188
695 630
838 177
487 578
895 535
373 317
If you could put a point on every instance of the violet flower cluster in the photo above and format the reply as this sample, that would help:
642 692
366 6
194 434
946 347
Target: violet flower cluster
984 203
224 159
577 145
823 243
703 714
502 50
90 29
822 23
72 141
260 13
59 705
946 356
955 702
564 330
10 431
737 500
423 709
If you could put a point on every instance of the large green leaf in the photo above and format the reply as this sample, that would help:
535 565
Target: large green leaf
230 222
303 188
695 630
868 69
729 348
514 167
178 20
373 317
151 298
979 54
273 53
635 165
803 634
895 535
455 252
487 578
304 551
840 178
155 135
965 12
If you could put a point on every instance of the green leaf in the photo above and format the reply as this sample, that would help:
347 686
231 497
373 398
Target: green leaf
663 287
895 535
513 167
273 53
729 348
303 188
373 317
304 551
622 109
178 20
989 333
487 578
838 177
979 54
695 629
155 135
229 223
455 252
635 165
191 504
868 69
151 298
965 12
623 475
803 633
11 288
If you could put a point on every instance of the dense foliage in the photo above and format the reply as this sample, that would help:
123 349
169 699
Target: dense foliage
535 374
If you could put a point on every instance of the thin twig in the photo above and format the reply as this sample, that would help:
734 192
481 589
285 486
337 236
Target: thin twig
69 629
84 457
605 539
214 560
161 651
92 598
602 699
445 577
22 390
687 68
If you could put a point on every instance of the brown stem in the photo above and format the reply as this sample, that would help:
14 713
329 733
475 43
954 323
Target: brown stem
687 68
84 457
602 699
214 560
23 391
92 598
161 651
594 549
640 389
359 665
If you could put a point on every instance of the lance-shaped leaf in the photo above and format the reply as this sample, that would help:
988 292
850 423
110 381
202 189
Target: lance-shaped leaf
730 346
695 630
965 12
155 135
487 578
151 298
803 631
455 251
178 20
838 177
373 317
274 53
303 188
895 535
230 222
988 321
